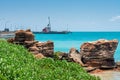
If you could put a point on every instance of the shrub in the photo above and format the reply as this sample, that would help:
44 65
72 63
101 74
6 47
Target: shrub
57 54
16 63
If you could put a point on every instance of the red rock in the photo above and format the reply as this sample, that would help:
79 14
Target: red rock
11 40
99 53
96 71
29 36
26 38
28 44
34 48
40 56
39 44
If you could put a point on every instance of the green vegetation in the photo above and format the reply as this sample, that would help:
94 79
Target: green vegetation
16 63
57 54
2 39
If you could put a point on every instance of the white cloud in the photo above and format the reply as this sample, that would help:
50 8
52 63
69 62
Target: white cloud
116 18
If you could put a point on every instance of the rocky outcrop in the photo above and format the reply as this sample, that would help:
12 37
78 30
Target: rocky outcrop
39 49
46 48
72 56
75 56
95 54
21 36
99 53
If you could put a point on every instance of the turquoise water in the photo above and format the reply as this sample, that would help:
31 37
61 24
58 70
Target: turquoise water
63 42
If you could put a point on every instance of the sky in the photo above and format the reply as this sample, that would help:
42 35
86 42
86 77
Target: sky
73 15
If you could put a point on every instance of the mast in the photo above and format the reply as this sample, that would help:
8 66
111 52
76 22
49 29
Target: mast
49 22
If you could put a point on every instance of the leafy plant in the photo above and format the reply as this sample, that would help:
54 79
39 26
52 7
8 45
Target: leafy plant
16 63
57 55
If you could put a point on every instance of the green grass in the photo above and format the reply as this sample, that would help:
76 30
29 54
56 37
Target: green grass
16 63
2 39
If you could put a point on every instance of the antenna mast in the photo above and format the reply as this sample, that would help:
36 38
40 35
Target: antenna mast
49 25
49 22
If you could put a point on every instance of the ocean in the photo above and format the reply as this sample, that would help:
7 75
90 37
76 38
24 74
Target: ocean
63 42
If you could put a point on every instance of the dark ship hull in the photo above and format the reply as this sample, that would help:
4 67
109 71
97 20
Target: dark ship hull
53 32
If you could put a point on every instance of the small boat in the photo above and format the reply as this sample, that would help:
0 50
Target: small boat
47 30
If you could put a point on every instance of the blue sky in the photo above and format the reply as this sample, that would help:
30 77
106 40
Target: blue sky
74 15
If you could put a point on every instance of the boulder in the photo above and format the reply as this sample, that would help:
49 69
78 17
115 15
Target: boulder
10 40
33 48
99 53
118 64
39 44
75 56
48 49
20 36
28 44
39 56
29 36
49 44
89 69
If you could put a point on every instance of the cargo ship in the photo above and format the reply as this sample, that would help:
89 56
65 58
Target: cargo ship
47 30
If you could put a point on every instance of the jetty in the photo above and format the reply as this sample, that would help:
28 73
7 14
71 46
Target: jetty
7 34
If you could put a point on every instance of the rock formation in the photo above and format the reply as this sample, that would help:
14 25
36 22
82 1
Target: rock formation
99 53
75 56
46 48
21 36
39 49
72 56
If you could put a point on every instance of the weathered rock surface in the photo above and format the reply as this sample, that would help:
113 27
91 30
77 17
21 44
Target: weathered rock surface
28 44
21 36
40 55
118 64
10 40
75 56
39 49
46 48
90 69
99 53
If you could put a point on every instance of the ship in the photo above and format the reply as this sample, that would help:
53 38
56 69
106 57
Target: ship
47 30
